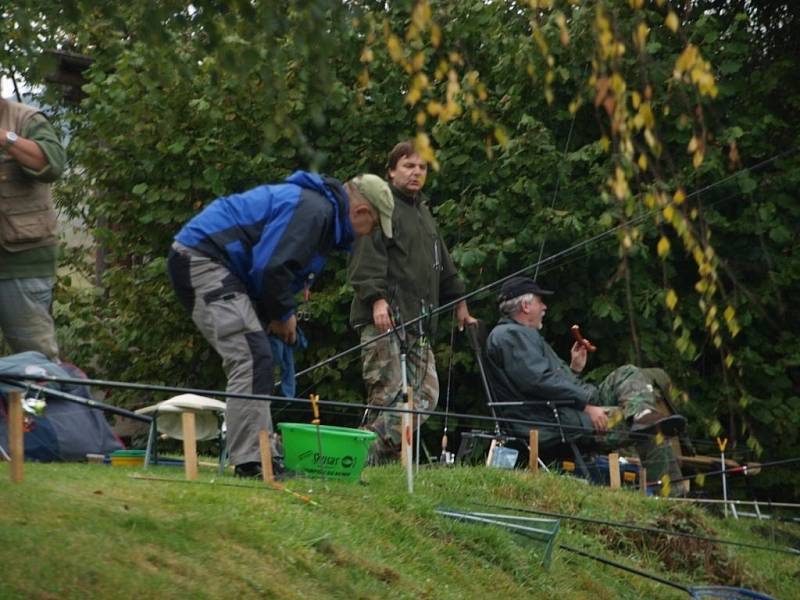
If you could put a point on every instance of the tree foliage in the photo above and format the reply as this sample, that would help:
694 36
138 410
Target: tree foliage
608 138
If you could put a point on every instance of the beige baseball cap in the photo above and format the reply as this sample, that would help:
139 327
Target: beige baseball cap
377 192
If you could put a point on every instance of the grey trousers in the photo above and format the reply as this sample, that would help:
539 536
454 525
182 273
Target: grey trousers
224 314
25 315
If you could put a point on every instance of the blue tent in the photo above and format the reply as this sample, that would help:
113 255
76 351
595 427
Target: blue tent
67 430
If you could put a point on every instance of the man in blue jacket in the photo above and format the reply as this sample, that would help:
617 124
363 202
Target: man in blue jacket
236 267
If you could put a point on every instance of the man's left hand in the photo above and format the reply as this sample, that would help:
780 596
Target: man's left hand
598 417
463 316
578 354
26 152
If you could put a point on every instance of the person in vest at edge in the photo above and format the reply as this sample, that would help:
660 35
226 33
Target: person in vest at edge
399 273
31 157
524 367
236 267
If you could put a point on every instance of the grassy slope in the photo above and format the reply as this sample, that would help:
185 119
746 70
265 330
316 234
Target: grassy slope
91 531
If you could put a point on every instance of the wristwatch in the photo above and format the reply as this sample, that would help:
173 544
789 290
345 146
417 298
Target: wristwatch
11 138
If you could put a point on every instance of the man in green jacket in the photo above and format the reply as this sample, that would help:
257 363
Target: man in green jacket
31 157
524 369
400 272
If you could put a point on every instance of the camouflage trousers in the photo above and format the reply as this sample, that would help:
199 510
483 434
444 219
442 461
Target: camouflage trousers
628 395
383 379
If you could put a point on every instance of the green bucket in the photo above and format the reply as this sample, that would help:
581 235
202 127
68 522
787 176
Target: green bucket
343 450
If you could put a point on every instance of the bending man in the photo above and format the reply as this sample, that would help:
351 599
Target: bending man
236 267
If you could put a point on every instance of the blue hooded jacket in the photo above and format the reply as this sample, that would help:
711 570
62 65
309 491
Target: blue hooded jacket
273 237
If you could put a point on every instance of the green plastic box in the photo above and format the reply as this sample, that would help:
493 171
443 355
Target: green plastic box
127 458
337 453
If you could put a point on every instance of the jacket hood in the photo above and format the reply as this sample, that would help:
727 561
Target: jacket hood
332 190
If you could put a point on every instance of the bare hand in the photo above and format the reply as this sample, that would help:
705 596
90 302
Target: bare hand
285 330
381 317
463 317
578 354
598 417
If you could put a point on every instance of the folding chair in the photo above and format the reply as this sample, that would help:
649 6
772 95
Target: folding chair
477 335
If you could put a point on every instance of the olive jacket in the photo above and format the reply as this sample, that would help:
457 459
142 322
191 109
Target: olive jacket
412 271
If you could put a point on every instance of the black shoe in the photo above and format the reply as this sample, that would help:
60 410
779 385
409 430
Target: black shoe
668 426
252 470
249 470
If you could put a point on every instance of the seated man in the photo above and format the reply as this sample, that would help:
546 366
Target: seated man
524 368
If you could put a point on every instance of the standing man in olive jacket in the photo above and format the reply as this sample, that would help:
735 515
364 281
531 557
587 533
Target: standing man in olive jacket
400 272
31 157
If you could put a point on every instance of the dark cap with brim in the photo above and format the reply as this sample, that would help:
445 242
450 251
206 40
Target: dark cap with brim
519 286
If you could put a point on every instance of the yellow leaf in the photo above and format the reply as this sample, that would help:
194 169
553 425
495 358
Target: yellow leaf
729 313
501 136
421 117
663 247
434 108
413 96
697 159
642 162
729 360
436 36
605 143
671 299
640 37
672 21
679 196
649 200
419 61
395 51
668 212
422 143
700 480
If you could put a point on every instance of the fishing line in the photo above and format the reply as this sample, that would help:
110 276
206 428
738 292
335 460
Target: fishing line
13 378
549 260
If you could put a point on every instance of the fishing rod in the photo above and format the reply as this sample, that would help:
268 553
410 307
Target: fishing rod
767 503
646 529
12 378
274 485
754 467
546 261
695 591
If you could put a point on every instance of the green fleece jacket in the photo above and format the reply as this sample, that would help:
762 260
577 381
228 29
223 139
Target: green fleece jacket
411 270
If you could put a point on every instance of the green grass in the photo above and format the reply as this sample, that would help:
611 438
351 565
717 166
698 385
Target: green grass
93 531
